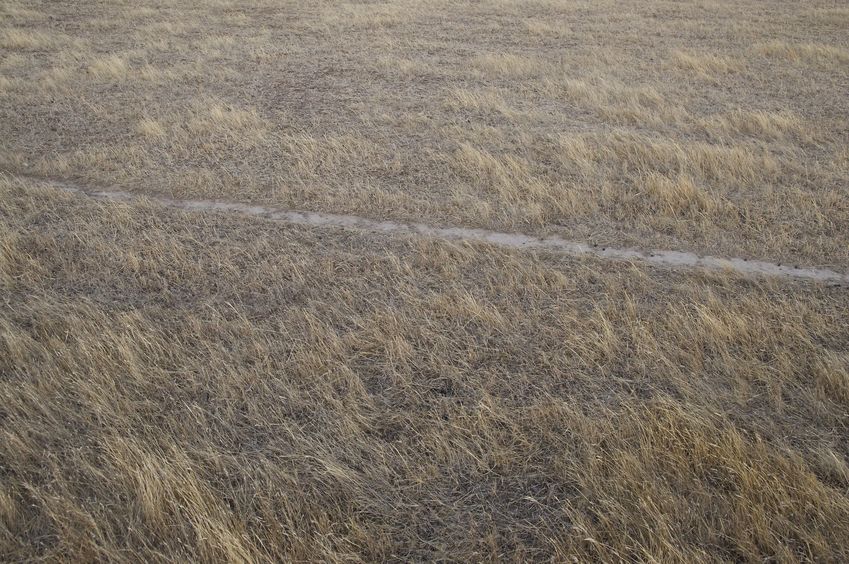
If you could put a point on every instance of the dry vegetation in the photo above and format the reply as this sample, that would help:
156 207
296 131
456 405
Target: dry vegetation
191 386
196 386
542 116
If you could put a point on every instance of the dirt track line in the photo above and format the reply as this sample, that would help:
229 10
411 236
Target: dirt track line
510 240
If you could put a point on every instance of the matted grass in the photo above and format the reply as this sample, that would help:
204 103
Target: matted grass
190 386
544 116
193 386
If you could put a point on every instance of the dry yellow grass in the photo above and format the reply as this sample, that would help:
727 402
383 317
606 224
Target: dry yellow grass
706 64
416 83
19 39
826 54
191 386
111 67
198 387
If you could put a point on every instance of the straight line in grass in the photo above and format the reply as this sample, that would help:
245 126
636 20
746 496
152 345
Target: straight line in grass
511 240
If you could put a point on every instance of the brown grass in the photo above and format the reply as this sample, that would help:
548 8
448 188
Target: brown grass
188 386
416 82
825 54
197 387
111 67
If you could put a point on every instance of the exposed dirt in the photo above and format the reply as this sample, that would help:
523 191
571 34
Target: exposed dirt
669 258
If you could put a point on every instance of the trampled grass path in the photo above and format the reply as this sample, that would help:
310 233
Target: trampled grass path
553 243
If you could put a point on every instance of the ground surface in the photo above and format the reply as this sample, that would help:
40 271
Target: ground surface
712 126
204 386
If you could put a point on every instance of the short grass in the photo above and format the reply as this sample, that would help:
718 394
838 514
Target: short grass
542 116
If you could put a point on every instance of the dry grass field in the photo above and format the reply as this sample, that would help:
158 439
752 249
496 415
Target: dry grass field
210 387
717 126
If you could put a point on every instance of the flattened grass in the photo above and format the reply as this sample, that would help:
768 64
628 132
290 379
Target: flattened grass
206 387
